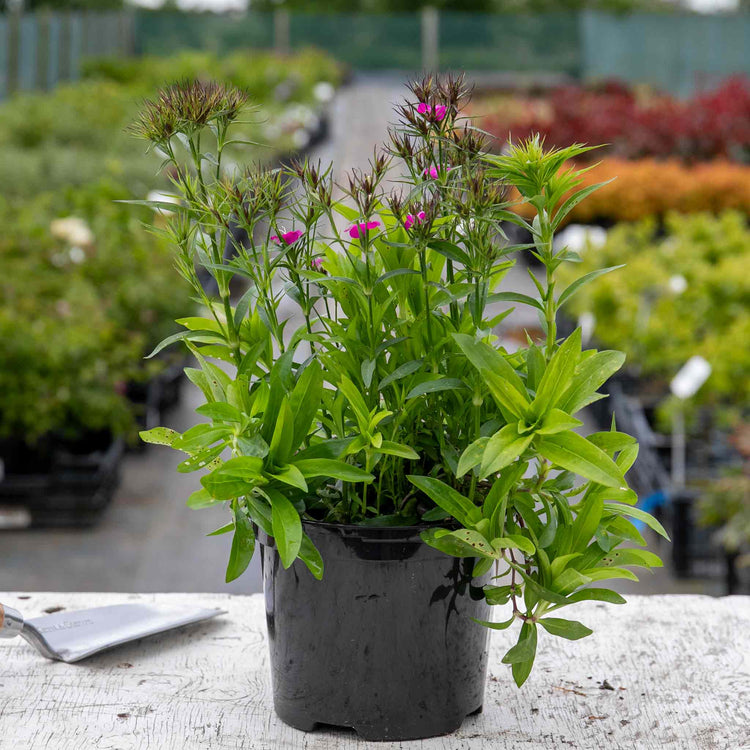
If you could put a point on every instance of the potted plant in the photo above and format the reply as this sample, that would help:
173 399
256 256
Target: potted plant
402 471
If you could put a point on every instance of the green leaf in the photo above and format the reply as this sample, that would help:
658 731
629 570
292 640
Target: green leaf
603 574
578 283
524 299
408 368
280 449
558 421
629 556
461 543
522 669
200 499
574 200
309 555
225 529
200 336
433 386
525 649
590 374
159 436
586 524
397 449
496 595
450 251
233 478
502 380
201 436
331 468
637 513
597 595
201 460
514 541
495 625
243 545
627 457
504 447
354 397
557 375
304 401
460 507
220 411
291 475
570 451
481 566
611 442
472 456
287 527
569 629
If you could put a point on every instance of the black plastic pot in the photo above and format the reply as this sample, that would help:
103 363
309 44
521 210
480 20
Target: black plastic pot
384 644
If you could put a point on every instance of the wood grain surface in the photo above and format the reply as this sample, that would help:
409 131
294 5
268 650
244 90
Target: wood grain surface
660 672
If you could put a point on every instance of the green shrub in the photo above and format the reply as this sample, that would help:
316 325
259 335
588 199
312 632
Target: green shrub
646 313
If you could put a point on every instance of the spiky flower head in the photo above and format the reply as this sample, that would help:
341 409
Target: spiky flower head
186 106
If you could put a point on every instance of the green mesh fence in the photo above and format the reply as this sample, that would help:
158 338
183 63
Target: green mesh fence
362 40
164 33
548 42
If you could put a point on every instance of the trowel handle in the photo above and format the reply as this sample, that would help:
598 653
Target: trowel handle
11 622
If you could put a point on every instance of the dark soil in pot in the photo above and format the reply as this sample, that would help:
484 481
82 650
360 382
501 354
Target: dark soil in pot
384 644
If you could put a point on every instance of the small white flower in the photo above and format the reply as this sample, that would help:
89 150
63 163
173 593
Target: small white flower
72 230
77 255
300 138
677 284
323 92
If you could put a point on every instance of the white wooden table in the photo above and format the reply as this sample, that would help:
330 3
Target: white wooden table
660 672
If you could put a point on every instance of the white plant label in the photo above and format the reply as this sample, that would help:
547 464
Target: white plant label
691 376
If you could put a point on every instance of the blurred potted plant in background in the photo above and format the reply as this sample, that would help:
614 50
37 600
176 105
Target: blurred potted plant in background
380 429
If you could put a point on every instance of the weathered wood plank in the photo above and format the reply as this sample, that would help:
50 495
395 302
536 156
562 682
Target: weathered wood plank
677 666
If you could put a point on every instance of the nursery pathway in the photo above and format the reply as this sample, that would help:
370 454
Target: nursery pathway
148 541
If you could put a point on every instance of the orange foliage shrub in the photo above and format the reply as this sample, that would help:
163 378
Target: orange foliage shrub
649 187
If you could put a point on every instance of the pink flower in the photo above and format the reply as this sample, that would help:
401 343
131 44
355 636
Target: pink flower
411 219
431 172
357 230
317 264
289 238
425 109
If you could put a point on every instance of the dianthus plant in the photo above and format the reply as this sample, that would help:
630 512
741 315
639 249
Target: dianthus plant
359 377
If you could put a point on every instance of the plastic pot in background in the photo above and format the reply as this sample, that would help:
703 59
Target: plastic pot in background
384 644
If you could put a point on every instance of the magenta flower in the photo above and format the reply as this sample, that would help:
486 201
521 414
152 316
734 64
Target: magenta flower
289 238
431 172
425 109
357 230
411 219
317 264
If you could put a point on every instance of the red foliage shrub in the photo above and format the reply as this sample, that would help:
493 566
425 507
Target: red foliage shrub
711 125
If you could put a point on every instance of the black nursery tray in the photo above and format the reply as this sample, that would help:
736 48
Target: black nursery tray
69 489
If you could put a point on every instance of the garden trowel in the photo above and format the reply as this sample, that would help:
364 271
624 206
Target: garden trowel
72 636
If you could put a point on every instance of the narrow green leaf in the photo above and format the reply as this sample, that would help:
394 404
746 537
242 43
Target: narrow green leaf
225 529
557 421
558 375
159 436
200 499
586 524
637 513
570 629
408 368
524 299
450 251
331 468
287 527
304 401
582 281
504 447
570 451
281 448
590 374
391 448
243 545
434 386
521 668
291 475
597 595
309 555
220 411
460 507
495 625
472 456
